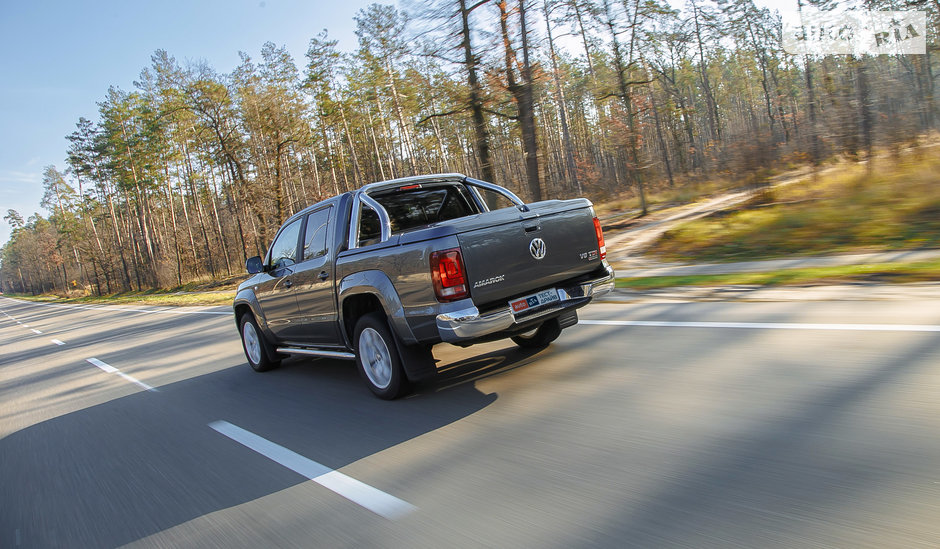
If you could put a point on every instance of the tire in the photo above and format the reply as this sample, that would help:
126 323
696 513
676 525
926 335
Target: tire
377 358
258 350
540 337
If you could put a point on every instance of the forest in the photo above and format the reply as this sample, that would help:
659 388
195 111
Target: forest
192 171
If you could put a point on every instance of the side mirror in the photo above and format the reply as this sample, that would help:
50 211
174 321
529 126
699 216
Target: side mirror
254 265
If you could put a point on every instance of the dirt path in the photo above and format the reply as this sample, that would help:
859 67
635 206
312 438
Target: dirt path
626 246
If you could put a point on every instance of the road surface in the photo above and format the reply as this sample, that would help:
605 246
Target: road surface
716 424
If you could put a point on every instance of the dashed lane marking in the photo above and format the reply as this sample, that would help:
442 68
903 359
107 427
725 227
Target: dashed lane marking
112 370
373 499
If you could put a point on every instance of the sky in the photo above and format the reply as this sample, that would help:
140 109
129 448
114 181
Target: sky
58 58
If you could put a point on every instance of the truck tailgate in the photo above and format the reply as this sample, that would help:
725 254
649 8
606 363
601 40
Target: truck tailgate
529 251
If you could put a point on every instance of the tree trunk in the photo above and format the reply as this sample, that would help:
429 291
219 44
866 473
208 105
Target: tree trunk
522 95
570 169
482 143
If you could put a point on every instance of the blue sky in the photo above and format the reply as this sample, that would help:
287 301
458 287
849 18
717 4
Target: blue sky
58 58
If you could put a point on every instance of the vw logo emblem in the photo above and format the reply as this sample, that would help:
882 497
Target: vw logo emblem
537 248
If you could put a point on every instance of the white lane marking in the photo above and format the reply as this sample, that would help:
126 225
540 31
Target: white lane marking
35 331
58 342
136 381
769 325
104 366
21 324
13 318
373 499
112 370
121 309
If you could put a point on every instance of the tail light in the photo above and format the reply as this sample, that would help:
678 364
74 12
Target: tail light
601 246
449 275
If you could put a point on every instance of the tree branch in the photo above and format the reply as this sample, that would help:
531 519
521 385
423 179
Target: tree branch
439 115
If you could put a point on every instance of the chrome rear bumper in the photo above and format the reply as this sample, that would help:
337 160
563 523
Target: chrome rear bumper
468 324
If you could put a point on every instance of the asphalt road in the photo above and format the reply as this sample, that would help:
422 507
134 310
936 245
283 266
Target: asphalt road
648 425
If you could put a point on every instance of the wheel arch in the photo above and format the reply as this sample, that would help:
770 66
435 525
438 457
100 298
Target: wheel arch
367 291
355 307
247 302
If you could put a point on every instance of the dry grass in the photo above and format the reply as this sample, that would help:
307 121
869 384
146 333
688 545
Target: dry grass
924 271
897 206
141 298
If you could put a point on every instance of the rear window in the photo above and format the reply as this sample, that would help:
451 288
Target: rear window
419 207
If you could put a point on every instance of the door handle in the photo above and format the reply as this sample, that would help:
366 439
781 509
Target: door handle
324 275
288 283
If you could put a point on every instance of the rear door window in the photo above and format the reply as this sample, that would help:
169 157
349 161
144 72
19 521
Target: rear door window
315 244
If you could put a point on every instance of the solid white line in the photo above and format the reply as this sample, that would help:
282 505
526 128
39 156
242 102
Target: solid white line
58 342
112 370
375 500
35 331
769 325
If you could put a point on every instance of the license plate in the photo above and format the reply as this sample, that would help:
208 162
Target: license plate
535 300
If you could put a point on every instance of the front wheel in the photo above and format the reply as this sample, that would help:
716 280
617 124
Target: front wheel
377 358
539 337
257 348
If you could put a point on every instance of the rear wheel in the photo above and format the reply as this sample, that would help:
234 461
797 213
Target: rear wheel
377 358
539 337
257 349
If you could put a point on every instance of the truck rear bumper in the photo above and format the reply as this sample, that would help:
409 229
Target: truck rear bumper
469 324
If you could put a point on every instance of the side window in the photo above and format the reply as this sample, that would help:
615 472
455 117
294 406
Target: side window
284 248
370 227
315 235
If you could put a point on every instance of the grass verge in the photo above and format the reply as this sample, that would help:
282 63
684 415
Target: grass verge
894 206
921 271
139 298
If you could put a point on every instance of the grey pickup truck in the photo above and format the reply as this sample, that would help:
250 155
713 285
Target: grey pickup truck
381 274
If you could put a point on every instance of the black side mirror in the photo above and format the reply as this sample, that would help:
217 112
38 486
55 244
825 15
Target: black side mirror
254 265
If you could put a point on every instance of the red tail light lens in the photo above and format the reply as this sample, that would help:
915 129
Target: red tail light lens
448 275
601 246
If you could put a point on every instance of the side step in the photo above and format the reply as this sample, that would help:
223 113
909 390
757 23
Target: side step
317 352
